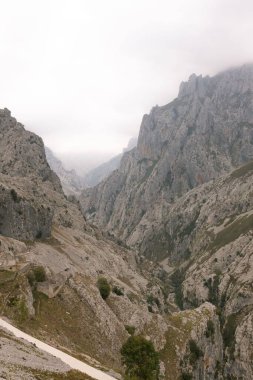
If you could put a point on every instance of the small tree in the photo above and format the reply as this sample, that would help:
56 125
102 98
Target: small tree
38 274
104 287
140 359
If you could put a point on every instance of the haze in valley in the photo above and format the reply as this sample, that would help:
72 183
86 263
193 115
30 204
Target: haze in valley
81 74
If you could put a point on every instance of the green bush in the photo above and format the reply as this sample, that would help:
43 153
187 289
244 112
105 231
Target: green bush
14 196
104 287
140 359
186 376
130 329
177 279
117 291
210 328
37 274
151 300
229 332
196 352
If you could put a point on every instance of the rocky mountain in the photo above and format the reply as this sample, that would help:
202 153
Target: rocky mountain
98 174
183 198
71 183
205 132
187 285
50 264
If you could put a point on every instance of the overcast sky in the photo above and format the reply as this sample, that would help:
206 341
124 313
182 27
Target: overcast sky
82 73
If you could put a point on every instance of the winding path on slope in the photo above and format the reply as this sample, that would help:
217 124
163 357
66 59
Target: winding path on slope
70 360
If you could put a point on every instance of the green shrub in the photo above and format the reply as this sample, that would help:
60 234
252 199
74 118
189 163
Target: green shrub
37 274
195 351
229 332
117 291
151 300
177 279
104 287
130 329
210 328
14 195
140 359
213 289
39 234
150 309
186 376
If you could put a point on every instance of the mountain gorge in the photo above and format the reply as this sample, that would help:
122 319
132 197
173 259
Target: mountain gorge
170 230
72 184
51 262
97 175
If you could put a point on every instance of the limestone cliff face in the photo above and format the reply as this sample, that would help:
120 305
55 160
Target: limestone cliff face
22 152
31 197
204 133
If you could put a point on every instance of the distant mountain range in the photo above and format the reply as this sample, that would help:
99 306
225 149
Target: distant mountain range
73 183
97 175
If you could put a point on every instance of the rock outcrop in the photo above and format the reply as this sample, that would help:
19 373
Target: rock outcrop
22 152
24 172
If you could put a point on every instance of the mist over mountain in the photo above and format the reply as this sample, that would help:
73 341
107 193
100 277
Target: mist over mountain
72 184
95 176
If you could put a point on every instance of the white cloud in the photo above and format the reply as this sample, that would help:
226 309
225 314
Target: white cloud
82 73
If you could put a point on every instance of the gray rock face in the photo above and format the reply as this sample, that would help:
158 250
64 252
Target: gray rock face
26 180
22 152
21 218
204 133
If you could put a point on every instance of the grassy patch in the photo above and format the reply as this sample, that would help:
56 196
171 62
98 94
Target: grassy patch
242 171
177 279
229 332
6 275
70 375
177 337
230 233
